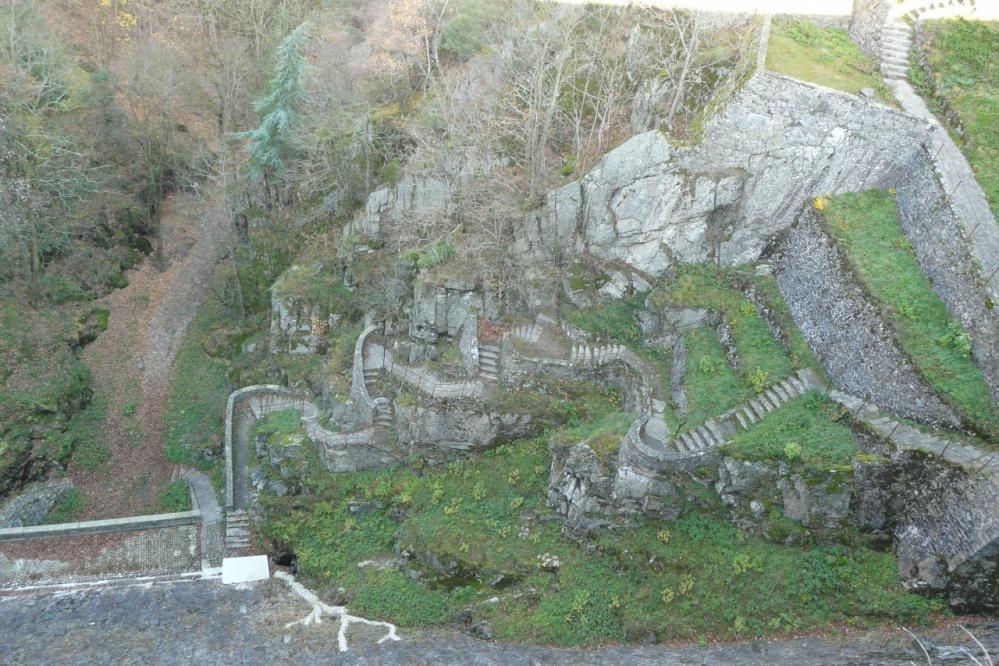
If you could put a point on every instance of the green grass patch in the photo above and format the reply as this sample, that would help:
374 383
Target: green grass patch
66 509
483 520
711 385
84 436
823 55
962 76
175 497
802 429
866 226
762 359
196 401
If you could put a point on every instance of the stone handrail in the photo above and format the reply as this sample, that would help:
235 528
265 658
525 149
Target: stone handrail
129 524
428 383
363 401
230 407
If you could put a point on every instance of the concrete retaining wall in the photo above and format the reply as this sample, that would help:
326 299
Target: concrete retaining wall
94 526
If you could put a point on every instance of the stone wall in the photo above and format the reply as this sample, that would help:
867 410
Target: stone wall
468 344
364 404
847 331
869 18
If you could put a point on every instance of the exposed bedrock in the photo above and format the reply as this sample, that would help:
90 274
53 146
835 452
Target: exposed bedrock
848 333
454 428
649 205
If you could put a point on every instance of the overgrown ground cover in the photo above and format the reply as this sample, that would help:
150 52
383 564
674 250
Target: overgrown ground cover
710 384
866 227
823 55
961 78
196 400
483 521
805 429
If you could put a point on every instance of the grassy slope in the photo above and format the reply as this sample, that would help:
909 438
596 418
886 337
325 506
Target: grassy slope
712 387
697 577
826 56
964 75
198 393
867 227
802 429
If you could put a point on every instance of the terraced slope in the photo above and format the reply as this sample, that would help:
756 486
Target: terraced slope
866 228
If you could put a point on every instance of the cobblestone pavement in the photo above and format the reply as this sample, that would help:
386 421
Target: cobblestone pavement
95 557
206 623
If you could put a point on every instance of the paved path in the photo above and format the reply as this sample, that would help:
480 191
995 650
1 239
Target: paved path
206 623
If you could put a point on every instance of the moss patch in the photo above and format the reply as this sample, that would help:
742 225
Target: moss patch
711 385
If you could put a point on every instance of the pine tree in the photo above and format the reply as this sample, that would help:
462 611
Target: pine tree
278 109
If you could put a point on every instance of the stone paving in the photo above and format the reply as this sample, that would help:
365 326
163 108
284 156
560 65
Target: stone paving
96 557
207 623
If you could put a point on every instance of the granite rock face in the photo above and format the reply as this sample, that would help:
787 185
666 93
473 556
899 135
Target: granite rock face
413 197
454 427
33 503
580 486
648 205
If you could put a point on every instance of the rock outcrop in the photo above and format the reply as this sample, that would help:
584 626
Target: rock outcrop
33 503
649 205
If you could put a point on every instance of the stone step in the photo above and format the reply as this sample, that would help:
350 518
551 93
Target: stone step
699 442
716 433
687 442
760 410
901 61
894 70
765 401
748 412
780 392
743 422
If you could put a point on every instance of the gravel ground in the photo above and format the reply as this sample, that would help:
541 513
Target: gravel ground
204 622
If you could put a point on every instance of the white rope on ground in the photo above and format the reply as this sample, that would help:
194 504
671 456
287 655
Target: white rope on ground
319 609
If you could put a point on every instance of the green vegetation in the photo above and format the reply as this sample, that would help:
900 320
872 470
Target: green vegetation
802 429
555 402
762 359
710 384
866 226
66 509
197 397
175 497
481 520
603 435
823 55
962 79
279 426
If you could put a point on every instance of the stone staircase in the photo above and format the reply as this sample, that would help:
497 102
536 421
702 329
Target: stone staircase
489 359
896 40
715 432
237 530
384 412
595 355
527 332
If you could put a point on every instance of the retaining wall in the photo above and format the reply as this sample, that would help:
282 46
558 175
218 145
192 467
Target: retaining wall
130 524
